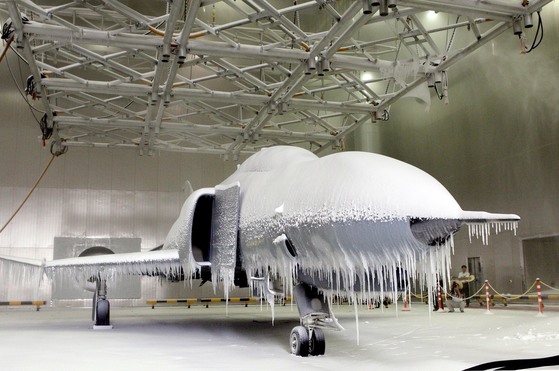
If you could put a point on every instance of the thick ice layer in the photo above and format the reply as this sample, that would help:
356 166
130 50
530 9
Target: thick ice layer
164 262
355 258
179 237
20 277
344 185
483 230
225 226
343 220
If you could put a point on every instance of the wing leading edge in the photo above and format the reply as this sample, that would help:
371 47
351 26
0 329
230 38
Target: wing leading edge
485 217
164 262
480 223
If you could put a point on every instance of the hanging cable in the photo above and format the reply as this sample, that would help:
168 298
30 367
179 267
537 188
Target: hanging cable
452 36
29 195
8 30
538 38
443 83
46 128
20 90
6 47
56 147
214 15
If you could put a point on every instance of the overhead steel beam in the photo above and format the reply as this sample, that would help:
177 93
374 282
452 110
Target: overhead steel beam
186 94
170 127
503 11
487 36
23 43
208 48
237 83
163 72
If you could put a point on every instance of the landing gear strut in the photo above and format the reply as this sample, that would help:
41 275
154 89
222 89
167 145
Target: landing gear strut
314 311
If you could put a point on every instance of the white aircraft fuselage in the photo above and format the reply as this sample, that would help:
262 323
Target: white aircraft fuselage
352 214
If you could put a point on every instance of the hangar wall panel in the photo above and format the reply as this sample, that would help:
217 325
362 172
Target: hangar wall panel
88 193
495 146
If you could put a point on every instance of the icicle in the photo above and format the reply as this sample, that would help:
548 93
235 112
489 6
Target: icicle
226 286
271 301
356 309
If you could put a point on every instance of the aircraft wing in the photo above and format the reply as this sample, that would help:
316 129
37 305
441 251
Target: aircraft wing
23 261
485 217
480 223
164 262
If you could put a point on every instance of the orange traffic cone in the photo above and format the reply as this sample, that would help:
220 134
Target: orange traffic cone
406 308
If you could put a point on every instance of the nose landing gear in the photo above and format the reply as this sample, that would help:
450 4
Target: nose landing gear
305 342
314 311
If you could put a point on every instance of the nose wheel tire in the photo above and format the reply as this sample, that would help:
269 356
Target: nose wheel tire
299 341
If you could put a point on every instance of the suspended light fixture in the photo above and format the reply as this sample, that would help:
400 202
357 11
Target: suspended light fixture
528 22
319 70
383 8
325 65
181 55
310 66
165 53
367 7
517 27
311 63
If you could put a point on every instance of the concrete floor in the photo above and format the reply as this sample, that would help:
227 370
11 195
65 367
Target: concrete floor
205 339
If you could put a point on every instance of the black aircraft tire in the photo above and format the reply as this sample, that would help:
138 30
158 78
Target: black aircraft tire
93 308
317 343
103 313
299 341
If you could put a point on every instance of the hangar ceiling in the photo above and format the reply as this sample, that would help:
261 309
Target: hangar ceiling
232 76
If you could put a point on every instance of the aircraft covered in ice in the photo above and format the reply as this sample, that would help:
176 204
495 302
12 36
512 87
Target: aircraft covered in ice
352 223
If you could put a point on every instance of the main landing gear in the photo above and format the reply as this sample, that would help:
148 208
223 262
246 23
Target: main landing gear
101 314
314 311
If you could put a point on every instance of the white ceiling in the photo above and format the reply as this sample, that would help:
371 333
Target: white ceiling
232 76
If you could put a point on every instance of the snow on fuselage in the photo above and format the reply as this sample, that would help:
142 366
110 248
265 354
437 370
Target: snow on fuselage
347 213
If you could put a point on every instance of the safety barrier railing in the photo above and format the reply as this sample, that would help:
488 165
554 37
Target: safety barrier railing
489 298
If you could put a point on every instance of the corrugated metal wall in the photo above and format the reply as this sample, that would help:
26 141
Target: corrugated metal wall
87 192
97 193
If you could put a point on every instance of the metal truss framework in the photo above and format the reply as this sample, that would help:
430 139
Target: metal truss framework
232 76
